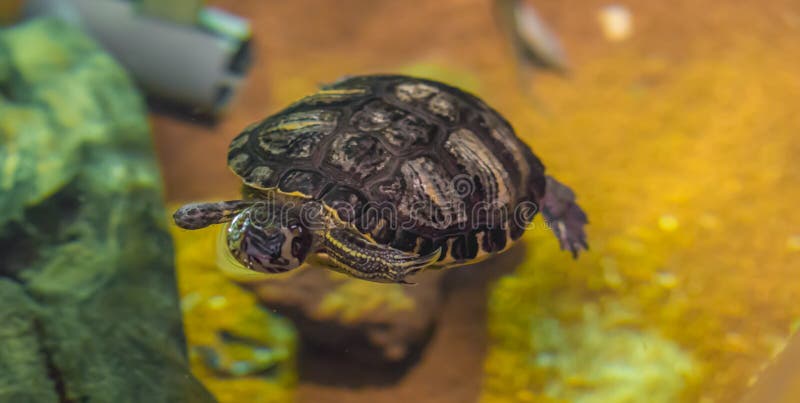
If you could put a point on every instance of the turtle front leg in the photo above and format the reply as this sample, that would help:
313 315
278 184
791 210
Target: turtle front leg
348 251
201 215
566 217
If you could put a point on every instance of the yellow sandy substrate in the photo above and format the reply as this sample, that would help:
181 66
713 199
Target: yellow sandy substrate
690 176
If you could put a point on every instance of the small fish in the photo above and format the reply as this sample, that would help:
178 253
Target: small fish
533 41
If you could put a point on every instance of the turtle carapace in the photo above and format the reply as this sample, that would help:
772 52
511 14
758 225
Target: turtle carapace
382 176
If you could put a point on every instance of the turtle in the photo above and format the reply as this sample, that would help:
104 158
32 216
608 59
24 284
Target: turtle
381 176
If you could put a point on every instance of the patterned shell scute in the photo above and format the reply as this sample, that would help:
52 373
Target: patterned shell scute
346 201
485 182
396 127
305 182
260 151
358 155
415 91
428 97
431 198
261 175
414 163
295 135
330 96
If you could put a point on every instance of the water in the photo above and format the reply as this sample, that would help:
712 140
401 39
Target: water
678 137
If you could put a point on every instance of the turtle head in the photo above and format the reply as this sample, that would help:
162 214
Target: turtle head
201 215
267 242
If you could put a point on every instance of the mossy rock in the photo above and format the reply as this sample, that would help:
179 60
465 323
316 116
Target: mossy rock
87 282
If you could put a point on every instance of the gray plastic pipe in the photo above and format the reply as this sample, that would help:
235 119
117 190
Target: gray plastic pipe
199 66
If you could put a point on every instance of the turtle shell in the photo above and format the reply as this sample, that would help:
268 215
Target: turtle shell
414 163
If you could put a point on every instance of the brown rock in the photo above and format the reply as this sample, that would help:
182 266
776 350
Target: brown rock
370 322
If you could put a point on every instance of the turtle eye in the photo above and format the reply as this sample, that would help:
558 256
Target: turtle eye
296 246
301 244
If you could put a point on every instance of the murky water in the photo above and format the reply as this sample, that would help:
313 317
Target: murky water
675 125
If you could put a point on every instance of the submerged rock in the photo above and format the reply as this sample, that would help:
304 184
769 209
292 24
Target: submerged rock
87 288
25 366
372 323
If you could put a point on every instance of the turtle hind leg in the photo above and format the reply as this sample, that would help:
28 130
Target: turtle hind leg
201 215
564 215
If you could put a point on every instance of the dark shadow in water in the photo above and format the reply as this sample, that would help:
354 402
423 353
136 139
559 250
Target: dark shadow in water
348 369
181 112
22 240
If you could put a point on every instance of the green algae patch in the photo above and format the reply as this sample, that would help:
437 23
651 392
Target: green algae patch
613 362
563 336
553 344
25 377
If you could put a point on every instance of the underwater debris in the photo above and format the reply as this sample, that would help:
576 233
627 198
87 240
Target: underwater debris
533 41
616 22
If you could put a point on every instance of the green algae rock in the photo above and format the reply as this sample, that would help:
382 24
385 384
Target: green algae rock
558 337
22 363
88 296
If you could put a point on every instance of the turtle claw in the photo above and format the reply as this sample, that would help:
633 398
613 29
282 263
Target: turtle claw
565 217
351 252
569 230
